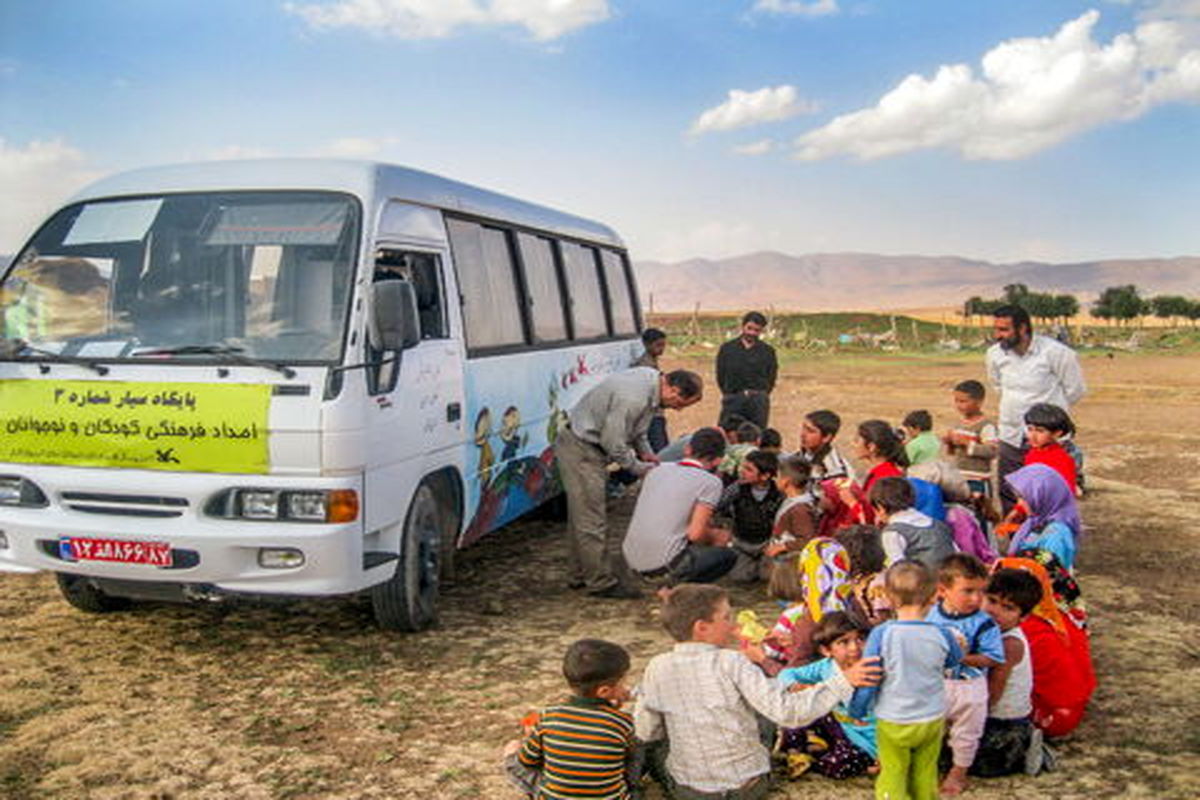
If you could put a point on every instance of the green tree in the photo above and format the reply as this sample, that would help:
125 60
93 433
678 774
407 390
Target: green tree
1065 306
1015 294
1193 311
1122 303
1170 306
1040 306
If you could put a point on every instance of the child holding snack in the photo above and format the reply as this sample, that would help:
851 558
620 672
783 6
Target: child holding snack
705 700
583 747
795 521
973 444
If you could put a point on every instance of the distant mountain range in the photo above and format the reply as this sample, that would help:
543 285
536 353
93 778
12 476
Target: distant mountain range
866 282
863 281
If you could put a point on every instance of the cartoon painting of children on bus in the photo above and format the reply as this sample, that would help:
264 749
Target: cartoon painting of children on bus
483 432
510 434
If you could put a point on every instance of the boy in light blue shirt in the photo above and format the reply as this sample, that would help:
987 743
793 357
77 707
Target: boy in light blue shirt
962 579
910 704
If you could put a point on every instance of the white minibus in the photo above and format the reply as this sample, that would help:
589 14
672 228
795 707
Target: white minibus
291 377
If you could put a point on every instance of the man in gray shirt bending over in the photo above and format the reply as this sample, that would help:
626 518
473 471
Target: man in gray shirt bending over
670 533
608 426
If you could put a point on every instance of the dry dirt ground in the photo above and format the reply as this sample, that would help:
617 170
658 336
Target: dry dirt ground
311 701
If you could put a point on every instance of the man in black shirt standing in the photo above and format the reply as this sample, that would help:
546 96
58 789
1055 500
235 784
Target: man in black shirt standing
746 370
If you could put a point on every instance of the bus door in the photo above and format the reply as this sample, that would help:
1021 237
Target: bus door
416 407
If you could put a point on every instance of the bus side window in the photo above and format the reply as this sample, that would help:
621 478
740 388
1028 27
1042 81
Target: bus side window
424 271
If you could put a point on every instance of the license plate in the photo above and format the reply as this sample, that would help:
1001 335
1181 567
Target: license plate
156 554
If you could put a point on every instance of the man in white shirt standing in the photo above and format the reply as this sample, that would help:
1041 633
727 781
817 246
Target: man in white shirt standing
1026 368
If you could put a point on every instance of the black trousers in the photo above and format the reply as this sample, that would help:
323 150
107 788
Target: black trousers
753 407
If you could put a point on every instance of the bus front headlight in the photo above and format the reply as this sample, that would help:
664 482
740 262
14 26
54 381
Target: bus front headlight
285 505
258 504
307 506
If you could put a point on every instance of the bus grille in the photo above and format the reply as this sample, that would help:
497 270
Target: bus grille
125 505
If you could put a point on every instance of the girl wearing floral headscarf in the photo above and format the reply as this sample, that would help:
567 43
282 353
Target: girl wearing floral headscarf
815 583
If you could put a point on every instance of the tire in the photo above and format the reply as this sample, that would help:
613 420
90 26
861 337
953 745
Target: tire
451 523
408 600
83 594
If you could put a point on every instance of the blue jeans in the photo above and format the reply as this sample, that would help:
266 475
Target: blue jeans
702 564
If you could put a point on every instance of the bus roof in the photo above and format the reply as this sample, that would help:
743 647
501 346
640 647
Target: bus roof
371 181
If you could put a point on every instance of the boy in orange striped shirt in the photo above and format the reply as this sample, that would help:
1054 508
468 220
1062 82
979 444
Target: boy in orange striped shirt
585 746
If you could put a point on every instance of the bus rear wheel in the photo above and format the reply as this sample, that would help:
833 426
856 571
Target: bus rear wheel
408 600
83 593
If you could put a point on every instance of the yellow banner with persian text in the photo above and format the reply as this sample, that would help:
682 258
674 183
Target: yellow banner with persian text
185 427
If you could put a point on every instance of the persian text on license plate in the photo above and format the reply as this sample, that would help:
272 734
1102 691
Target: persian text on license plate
156 554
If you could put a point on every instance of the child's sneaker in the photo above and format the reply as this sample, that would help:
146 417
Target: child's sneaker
798 764
1049 760
1035 756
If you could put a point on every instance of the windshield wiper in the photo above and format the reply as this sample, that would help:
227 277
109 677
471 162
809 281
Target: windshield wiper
21 350
234 355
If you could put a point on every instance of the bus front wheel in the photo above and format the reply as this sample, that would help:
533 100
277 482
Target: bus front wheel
408 600
82 593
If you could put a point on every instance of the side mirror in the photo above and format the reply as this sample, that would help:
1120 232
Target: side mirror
394 324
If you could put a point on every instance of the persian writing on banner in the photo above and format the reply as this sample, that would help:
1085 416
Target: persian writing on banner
186 427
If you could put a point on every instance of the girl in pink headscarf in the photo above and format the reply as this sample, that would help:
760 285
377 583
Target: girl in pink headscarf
1050 533
1052 517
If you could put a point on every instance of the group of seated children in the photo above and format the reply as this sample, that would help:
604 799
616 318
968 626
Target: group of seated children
955 668
905 637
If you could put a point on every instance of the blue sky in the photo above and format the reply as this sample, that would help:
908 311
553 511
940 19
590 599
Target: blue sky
998 129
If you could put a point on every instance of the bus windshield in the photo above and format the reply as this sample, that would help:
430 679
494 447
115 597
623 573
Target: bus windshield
263 274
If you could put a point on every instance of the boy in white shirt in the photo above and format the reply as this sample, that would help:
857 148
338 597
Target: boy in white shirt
703 698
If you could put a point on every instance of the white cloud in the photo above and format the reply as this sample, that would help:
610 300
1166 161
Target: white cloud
549 19
435 19
815 8
1175 9
759 148
34 179
1031 94
743 108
